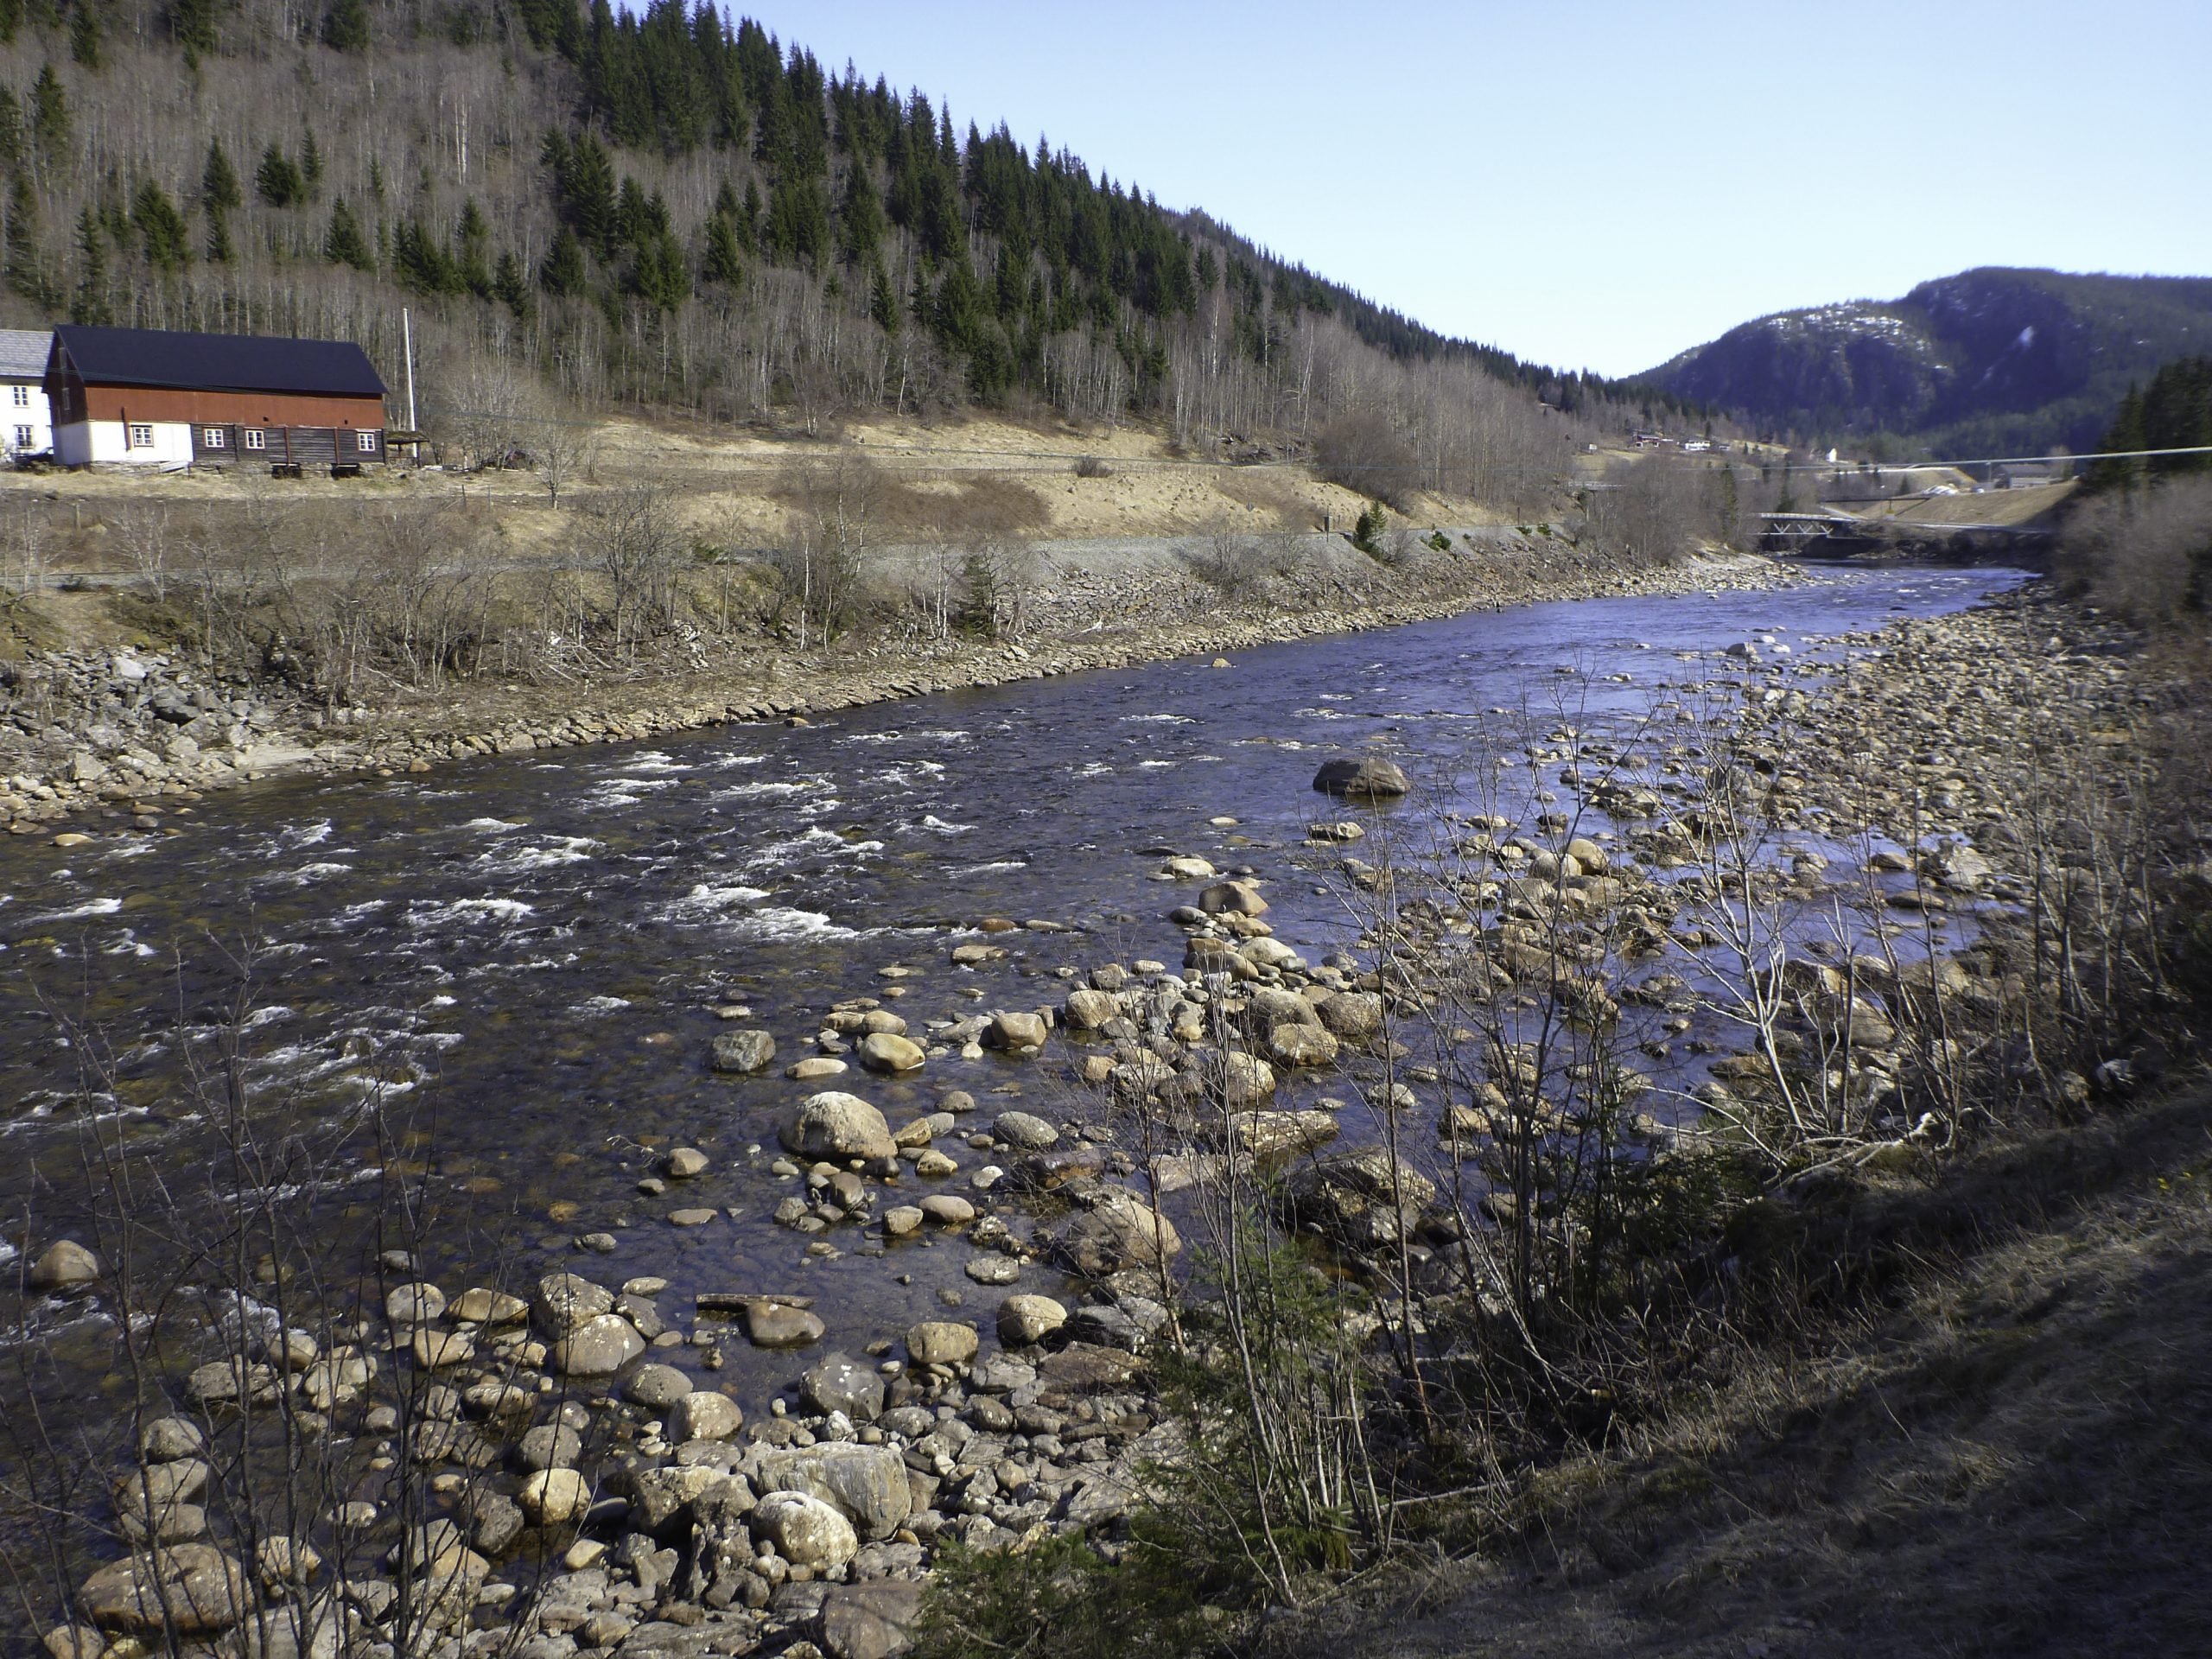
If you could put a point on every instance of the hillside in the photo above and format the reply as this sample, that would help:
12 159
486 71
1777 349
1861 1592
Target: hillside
593 212
1992 361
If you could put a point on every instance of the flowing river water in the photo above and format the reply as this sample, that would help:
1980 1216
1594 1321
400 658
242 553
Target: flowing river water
522 955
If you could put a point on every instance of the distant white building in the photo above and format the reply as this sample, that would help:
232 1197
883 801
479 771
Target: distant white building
26 418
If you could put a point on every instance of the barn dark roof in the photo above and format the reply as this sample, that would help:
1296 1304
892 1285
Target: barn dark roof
156 357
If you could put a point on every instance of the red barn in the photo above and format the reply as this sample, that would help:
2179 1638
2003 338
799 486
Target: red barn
150 398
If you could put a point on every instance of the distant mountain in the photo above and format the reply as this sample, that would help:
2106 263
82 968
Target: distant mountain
1993 361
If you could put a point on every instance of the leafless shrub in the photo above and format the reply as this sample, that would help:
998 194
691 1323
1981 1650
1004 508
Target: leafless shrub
1363 449
1092 466
2147 554
1230 560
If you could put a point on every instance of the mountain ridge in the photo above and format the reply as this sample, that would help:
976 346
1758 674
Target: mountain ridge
1996 359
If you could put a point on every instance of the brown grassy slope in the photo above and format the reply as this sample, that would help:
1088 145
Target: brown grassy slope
2016 1459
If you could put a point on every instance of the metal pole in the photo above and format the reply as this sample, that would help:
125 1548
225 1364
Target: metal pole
406 334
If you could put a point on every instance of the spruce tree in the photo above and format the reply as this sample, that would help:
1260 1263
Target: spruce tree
26 269
218 180
725 261
474 265
310 167
882 300
193 23
160 228
219 251
861 220
277 179
346 26
49 114
11 130
343 242
511 287
89 304
85 35
563 274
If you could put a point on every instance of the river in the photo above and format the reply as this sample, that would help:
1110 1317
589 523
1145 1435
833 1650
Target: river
521 957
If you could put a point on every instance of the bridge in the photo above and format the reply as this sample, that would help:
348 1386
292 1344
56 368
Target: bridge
1793 532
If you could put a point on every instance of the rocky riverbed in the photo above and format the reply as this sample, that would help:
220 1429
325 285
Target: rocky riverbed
558 1457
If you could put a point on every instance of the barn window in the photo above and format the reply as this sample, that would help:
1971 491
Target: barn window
366 442
23 437
23 396
212 437
139 437
256 439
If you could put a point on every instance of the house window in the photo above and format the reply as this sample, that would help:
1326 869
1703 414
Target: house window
138 436
23 437
212 437
366 442
256 439
23 396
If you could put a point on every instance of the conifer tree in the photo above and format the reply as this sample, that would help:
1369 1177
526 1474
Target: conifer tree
310 167
473 265
725 261
748 219
218 180
219 251
882 300
563 274
343 242
26 269
509 284
89 304
346 26
193 23
160 228
277 179
861 218
85 35
11 130
49 114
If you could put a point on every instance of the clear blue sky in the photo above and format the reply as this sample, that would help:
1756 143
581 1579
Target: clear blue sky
1602 184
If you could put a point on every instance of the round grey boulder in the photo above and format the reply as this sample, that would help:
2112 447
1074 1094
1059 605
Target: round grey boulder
1368 778
739 1052
64 1265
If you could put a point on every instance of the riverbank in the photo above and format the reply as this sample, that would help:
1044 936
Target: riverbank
114 731
1089 1084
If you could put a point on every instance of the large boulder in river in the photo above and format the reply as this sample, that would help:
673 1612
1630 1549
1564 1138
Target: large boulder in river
1017 1034
598 1347
1365 1199
1233 898
1119 1229
805 1531
65 1265
741 1051
866 1484
1352 1016
1088 1009
564 1301
194 1589
1368 778
836 1125
885 1050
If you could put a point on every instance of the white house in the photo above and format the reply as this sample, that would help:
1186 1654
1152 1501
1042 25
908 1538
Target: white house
26 419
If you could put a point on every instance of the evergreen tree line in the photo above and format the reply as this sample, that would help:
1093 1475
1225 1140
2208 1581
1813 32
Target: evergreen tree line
2173 412
664 209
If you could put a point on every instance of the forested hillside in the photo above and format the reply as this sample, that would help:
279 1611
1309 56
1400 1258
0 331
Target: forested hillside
1988 362
666 211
